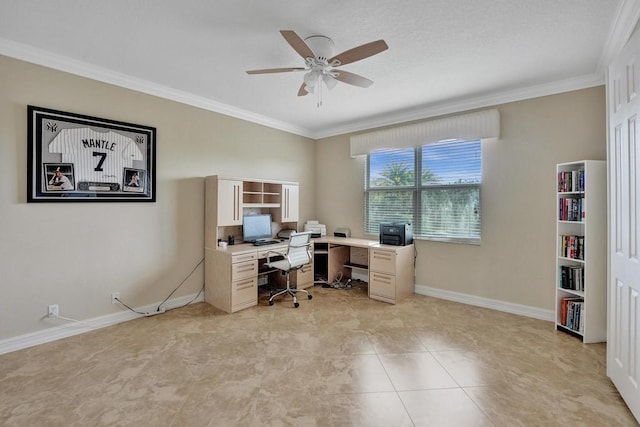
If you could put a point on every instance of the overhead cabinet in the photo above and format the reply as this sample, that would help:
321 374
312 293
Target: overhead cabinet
230 210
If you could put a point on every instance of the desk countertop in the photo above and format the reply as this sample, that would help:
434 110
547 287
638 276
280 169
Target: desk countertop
348 241
345 241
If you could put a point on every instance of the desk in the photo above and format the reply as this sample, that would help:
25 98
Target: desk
390 269
232 275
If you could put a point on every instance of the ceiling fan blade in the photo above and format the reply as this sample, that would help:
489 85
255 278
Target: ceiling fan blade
303 90
275 70
360 52
352 79
297 44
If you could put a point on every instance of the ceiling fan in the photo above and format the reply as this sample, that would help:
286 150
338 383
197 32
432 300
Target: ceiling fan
321 65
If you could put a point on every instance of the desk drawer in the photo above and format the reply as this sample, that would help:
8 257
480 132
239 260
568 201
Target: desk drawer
383 285
383 261
235 259
244 292
244 270
304 278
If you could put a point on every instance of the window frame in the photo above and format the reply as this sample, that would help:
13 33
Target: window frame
417 189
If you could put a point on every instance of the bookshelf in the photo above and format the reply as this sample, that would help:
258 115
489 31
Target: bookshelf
581 250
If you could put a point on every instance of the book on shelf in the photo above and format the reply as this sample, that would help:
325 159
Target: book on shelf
572 247
572 313
571 181
572 277
571 209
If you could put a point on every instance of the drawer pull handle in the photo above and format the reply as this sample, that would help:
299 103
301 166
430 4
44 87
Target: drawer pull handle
382 279
244 285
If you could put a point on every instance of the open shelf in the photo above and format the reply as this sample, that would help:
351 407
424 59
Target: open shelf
356 266
581 196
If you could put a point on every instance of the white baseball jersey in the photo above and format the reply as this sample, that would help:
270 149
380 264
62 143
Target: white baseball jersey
97 156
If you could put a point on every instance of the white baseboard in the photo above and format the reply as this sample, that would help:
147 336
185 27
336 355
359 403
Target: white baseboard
508 307
71 328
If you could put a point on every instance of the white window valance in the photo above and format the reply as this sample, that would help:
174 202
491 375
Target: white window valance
482 125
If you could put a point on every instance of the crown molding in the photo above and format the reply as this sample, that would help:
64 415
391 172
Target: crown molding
489 100
622 26
62 63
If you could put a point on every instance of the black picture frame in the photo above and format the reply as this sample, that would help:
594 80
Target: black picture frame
78 158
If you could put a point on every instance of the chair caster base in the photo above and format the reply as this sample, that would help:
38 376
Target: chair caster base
271 302
309 296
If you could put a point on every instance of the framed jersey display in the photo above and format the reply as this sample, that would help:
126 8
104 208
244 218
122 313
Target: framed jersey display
77 158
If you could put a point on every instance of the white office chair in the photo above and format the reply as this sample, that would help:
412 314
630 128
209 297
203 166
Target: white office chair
297 256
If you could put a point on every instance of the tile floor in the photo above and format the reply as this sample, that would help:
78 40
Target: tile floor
338 360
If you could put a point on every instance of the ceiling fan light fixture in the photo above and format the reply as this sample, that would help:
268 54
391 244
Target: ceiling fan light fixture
311 79
329 81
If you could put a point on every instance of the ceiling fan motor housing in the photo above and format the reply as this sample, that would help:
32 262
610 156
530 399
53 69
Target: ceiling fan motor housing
321 46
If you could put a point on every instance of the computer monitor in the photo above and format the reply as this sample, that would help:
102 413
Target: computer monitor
256 227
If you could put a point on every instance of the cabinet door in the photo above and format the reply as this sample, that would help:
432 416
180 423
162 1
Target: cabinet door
290 203
229 202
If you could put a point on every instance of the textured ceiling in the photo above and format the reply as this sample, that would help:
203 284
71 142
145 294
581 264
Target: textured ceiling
443 54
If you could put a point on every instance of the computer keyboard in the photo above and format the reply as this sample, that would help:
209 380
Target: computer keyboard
265 242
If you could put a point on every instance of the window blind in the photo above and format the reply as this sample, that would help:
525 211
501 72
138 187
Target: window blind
435 187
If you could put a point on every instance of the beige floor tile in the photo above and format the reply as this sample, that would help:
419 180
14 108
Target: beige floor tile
356 374
394 341
435 337
368 409
339 359
472 368
537 404
301 375
446 407
416 371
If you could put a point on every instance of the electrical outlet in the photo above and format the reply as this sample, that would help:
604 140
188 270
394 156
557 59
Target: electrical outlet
54 310
115 296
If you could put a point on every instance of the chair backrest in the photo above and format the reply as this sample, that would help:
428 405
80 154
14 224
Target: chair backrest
298 252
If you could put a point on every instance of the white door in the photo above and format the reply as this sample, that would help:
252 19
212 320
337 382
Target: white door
623 347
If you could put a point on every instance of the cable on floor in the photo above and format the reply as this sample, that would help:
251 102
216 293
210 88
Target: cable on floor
159 307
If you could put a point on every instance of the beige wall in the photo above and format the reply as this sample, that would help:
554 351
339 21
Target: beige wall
76 254
515 262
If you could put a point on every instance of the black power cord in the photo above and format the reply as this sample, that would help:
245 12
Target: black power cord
159 309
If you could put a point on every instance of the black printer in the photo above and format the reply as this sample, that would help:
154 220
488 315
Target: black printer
397 234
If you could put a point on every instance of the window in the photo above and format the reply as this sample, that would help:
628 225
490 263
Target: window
435 187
